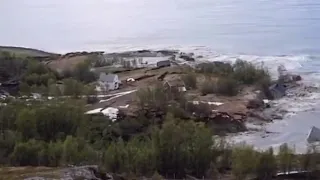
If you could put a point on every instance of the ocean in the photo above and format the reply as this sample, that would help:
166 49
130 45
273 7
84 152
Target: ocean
273 32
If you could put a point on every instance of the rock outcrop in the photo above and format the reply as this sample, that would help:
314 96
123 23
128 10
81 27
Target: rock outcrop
90 172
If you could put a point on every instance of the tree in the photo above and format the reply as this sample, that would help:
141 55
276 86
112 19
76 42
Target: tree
266 166
24 88
8 140
89 90
32 79
77 151
244 159
310 160
28 153
26 123
72 87
182 148
55 151
54 90
155 98
70 152
286 157
82 73
35 67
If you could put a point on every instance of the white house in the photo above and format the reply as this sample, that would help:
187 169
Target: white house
109 82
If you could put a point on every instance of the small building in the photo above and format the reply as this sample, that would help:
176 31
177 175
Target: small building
314 135
176 85
109 81
165 63
277 90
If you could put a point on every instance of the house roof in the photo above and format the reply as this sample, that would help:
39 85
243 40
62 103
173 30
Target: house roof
107 77
314 135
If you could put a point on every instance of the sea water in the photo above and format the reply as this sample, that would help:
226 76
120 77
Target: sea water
269 31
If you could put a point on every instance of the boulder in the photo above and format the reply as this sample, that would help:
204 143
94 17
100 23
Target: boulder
255 104
187 57
296 78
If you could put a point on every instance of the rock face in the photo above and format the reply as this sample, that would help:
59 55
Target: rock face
85 172
74 173
142 53
187 57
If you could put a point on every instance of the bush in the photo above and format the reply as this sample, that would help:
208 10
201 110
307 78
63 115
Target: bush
244 159
155 98
215 68
190 80
175 150
223 86
82 73
286 158
227 86
247 73
264 85
27 153
266 166
208 87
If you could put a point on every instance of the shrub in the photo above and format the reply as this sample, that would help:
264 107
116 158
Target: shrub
266 166
247 73
179 148
208 87
83 73
27 153
152 98
190 80
200 110
309 161
264 85
286 158
244 159
215 68
223 86
227 86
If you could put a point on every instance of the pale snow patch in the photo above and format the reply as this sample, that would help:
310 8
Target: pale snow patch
117 95
94 111
126 106
111 112
210 103
215 103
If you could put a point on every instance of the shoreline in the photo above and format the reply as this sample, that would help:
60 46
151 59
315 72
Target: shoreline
299 116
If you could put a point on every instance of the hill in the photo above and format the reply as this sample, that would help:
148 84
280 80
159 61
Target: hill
26 52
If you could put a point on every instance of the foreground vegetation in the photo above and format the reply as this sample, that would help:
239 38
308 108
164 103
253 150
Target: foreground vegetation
57 133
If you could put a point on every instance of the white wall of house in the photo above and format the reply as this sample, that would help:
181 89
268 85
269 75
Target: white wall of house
112 85
108 84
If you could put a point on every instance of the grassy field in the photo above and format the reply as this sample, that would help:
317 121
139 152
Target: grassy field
18 173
